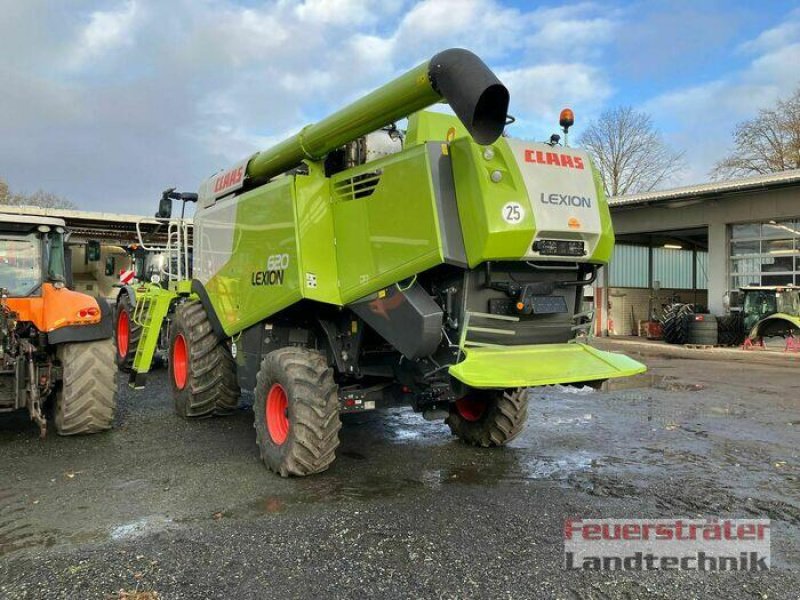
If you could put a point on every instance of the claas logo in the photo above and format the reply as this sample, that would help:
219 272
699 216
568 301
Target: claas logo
556 159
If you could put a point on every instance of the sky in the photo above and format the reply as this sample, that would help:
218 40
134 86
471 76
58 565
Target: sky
109 102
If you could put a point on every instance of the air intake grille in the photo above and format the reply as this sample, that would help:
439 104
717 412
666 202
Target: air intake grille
358 186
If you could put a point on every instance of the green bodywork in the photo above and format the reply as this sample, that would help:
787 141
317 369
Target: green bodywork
151 305
781 322
544 364
442 201
366 228
353 247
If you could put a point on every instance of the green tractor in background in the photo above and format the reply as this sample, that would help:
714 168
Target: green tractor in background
161 265
768 312
357 264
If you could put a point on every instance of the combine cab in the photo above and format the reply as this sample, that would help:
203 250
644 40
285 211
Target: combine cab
56 344
355 265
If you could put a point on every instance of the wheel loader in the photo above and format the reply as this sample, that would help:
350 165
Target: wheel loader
55 344
360 263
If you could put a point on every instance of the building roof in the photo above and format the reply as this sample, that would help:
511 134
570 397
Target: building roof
66 213
30 220
715 188
92 225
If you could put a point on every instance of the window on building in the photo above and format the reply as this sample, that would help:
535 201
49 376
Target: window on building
765 253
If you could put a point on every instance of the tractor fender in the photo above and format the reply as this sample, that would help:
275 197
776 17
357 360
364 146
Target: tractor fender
86 333
775 323
130 291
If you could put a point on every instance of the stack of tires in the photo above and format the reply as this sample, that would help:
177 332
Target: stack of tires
730 329
675 323
703 330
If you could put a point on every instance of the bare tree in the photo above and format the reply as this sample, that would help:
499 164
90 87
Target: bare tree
768 143
631 155
38 198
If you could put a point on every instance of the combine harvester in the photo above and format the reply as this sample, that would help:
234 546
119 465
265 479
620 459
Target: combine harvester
355 264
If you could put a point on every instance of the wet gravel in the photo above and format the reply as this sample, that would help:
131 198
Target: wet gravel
185 509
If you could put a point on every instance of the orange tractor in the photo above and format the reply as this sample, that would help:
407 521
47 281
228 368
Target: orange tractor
56 349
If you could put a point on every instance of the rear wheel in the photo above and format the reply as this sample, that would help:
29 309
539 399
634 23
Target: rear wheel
489 417
86 398
201 369
731 329
126 333
296 412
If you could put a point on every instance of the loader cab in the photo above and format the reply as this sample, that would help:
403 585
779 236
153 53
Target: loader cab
31 253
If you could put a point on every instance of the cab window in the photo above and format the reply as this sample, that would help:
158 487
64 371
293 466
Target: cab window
20 265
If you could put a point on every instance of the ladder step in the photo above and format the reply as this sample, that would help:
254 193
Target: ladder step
491 330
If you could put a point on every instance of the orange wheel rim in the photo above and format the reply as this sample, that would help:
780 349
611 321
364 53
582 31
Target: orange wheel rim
180 362
123 333
276 414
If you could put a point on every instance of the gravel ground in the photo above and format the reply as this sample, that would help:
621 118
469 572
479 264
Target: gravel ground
186 510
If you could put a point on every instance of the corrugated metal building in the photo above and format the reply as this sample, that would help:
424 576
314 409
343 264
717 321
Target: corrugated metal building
697 243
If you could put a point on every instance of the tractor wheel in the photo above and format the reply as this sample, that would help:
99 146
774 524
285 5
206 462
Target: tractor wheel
731 330
86 397
296 412
675 323
703 330
126 334
489 417
201 369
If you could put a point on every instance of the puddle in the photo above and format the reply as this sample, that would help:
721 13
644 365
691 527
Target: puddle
652 381
534 469
139 527
405 425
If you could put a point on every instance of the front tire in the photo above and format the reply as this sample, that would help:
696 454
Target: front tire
296 411
201 369
489 417
86 398
126 334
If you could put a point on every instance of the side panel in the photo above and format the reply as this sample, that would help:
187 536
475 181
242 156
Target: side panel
482 202
386 222
318 274
249 262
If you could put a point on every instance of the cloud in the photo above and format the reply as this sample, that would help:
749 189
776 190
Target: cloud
539 93
105 31
702 116
114 101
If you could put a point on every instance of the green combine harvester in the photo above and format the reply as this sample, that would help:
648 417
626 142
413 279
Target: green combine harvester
355 265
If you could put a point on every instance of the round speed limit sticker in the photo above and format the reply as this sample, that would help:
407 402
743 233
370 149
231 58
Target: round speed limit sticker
513 213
